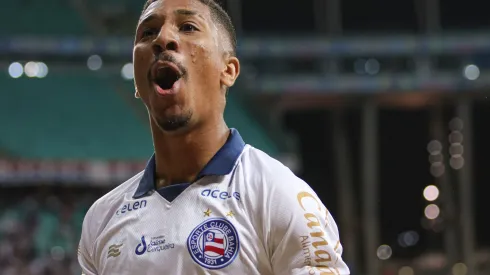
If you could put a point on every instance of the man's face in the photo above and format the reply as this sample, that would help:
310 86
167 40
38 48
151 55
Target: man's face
181 64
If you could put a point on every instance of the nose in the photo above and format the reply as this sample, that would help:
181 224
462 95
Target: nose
165 41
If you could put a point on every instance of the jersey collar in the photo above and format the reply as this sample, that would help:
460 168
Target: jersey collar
221 164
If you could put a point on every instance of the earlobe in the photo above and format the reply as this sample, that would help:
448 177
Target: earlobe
230 72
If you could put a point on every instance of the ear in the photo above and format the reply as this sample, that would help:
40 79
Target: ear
230 71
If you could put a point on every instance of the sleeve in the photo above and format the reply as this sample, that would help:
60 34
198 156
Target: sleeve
85 258
303 237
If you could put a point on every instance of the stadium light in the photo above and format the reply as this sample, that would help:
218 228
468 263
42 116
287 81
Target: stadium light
372 66
471 72
127 71
435 158
456 137
437 168
94 62
456 148
431 193
43 70
434 147
384 252
31 69
432 211
408 238
456 124
16 70
456 162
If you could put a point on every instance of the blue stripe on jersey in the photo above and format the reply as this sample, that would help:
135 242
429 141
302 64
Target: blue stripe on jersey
172 191
221 164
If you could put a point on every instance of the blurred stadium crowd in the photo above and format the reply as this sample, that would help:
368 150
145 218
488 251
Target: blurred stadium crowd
40 229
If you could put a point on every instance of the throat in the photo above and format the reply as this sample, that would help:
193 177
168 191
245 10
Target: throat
180 158
162 182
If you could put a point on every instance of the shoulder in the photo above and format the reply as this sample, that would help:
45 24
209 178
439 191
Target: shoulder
281 199
105 207
269 174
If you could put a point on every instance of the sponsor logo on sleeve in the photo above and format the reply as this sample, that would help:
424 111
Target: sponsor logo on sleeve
114 250
314 245
214 244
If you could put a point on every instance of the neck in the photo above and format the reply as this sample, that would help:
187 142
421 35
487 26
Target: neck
180 157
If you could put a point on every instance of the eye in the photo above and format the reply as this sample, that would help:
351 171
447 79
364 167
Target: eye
188 27
149 32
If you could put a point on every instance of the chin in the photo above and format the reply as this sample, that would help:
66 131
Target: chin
174 123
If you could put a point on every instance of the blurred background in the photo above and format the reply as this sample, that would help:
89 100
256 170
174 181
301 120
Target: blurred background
381 106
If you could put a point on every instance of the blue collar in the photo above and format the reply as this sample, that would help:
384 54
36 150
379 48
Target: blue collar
221 164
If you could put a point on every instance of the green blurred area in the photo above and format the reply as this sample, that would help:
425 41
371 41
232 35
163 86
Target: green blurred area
87 116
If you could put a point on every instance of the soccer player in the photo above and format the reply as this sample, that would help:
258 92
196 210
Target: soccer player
206 203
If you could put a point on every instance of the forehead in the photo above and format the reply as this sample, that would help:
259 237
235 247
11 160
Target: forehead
165 7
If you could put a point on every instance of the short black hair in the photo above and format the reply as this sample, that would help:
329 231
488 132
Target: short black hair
220 16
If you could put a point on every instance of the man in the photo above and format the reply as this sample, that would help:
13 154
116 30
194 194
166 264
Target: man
206 203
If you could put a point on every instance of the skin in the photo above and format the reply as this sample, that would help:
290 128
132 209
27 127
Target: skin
188 127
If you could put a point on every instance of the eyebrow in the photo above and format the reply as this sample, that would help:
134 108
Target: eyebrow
184 12
147 19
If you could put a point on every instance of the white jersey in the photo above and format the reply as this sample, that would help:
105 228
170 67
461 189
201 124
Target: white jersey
245 214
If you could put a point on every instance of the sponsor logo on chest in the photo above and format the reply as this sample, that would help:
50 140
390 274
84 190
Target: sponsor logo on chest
131 206
218 194
152 244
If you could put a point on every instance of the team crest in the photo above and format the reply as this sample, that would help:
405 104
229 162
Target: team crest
214 243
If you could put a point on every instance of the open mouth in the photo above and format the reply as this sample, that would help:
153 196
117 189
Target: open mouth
166 76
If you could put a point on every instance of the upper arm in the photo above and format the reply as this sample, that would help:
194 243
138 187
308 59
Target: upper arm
85 257
304 237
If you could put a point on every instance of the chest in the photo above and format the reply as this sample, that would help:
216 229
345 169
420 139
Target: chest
203 231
